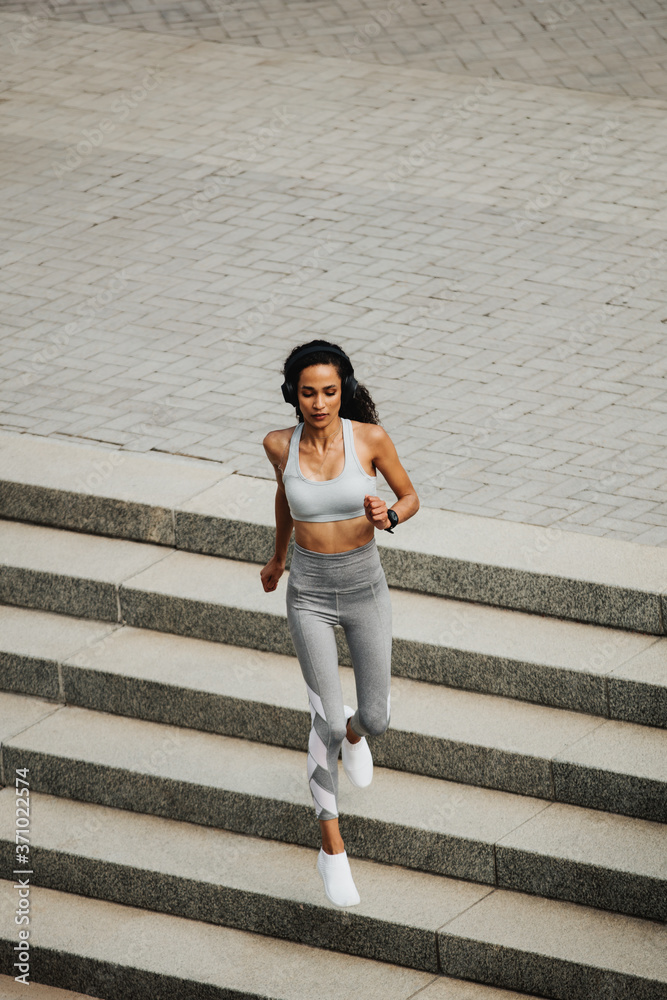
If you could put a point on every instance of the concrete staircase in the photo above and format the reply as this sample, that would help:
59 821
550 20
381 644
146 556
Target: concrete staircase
515 834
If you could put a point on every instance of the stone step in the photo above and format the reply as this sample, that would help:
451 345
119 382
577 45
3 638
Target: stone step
556 950
10 989
490 837
120 952
438 731
202 506
608 672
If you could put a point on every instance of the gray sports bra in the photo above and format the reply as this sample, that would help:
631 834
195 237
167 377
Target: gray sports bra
330 499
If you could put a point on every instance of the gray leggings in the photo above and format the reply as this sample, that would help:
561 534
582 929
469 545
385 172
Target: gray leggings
349 589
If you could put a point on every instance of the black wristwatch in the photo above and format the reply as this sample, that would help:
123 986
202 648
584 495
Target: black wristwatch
393 517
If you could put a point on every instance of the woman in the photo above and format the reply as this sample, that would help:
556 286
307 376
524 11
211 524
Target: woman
325 467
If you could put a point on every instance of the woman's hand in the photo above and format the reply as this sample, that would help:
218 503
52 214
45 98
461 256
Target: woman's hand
271 573
376 512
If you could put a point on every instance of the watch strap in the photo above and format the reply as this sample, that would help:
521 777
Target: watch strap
393 519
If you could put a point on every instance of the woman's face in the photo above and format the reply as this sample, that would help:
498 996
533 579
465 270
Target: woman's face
319 394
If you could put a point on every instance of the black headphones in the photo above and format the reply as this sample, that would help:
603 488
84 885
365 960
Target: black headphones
348 388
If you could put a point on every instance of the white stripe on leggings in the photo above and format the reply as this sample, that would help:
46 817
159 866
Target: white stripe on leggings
317 748
315 702
323 798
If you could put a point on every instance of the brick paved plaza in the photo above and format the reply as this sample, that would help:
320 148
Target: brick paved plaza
471 199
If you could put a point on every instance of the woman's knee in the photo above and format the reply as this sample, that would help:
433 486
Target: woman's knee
336 733
375 723
331 732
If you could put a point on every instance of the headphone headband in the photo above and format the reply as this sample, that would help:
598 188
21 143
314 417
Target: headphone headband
349 384
311 350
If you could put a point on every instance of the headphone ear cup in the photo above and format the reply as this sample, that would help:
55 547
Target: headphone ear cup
351 386
289 393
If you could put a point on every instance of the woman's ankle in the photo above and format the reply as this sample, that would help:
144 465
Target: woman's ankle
336 847
352 737
330 835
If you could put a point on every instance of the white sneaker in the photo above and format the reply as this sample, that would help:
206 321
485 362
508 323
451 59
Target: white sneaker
337 877
357 758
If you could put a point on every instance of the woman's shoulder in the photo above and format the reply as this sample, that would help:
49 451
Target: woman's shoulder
370 433
275 442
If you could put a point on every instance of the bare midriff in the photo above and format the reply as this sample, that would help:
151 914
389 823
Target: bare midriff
334 536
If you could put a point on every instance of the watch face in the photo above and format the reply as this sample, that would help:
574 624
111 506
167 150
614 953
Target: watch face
393 517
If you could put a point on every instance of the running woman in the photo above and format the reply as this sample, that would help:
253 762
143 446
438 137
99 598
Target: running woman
325 468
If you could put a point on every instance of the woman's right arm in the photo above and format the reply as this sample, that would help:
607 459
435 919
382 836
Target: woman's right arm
284 526
275 567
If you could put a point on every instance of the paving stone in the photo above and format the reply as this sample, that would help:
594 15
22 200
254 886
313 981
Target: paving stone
487 219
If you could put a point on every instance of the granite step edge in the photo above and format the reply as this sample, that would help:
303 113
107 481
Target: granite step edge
95 678
495 838
527 671
271 888
546 570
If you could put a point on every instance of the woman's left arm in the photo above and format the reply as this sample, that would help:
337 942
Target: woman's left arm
385 458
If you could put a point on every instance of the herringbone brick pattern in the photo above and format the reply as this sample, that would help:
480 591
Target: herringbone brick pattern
179 213
607 46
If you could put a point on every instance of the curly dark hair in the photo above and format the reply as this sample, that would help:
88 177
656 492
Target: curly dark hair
362 407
